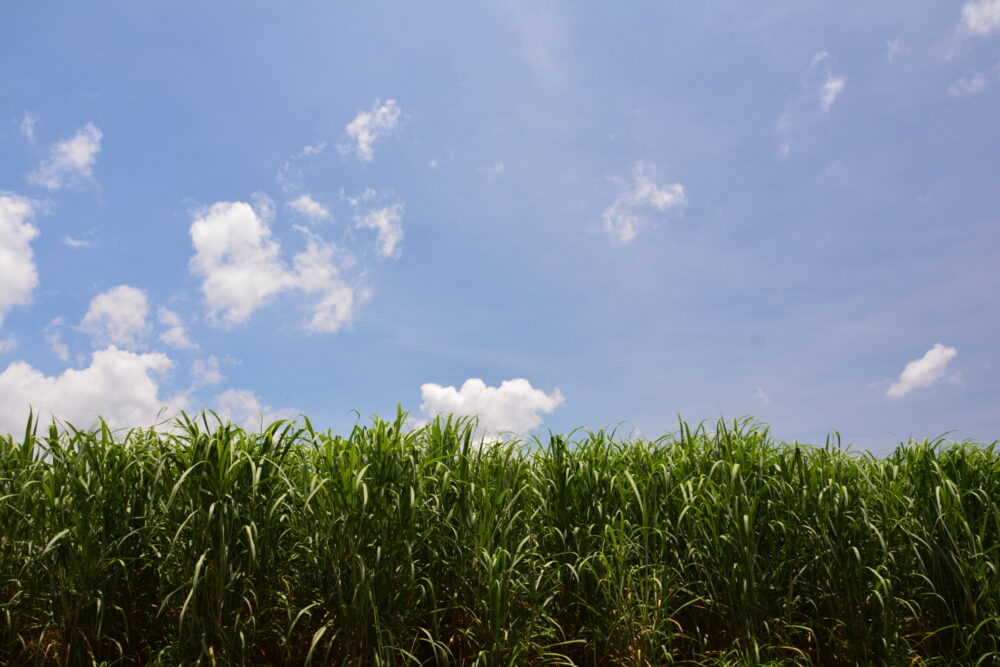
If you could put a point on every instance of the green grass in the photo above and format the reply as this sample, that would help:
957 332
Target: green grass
205 544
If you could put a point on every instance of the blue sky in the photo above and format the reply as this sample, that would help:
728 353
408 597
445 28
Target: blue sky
550 214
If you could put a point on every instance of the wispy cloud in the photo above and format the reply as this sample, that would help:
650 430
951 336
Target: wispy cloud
640 197
70 162
27 127
981 17
369 127
308 207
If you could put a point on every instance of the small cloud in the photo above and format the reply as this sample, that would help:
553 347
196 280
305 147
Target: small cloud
27 126
493 170
628 214
515 406
7 344
76 243
970 86
310 208
831 90
432 164
117 317
369 127
923 372
820 56
982 17
244 408
386 221
176 335
53 336
761 396
893 47
206 371
70 162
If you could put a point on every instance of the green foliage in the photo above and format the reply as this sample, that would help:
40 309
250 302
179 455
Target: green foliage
201 543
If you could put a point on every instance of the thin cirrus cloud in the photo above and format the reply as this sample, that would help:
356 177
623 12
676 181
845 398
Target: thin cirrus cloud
118 385
242 269
18 275
831 89
27 125
923 372
639 198
974 84
70 162
117 317
369 127
981 17
515 406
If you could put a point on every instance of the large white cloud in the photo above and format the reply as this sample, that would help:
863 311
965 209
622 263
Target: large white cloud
70 162
242 269
117 317
629 212
18 276
118 385
981 17
923 372
513 406
368 127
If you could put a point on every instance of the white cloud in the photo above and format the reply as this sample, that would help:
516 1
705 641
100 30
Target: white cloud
310 208
244 408
53 336
762 396
386 221
971 86
7 344
75 243
18 276
981 17
176 334
206 371
117 317
493 170
28 123
923 372
369 127
513 406
241 269
831 90
627 215
118 385
70 162
893 47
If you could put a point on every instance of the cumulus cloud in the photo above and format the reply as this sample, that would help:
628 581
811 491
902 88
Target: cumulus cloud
176 334
367 128
118 385
514 406
629 212
923 372
117 317
310 208
27 126
70 162
241 269
831 90
18 277
981 17
244 408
